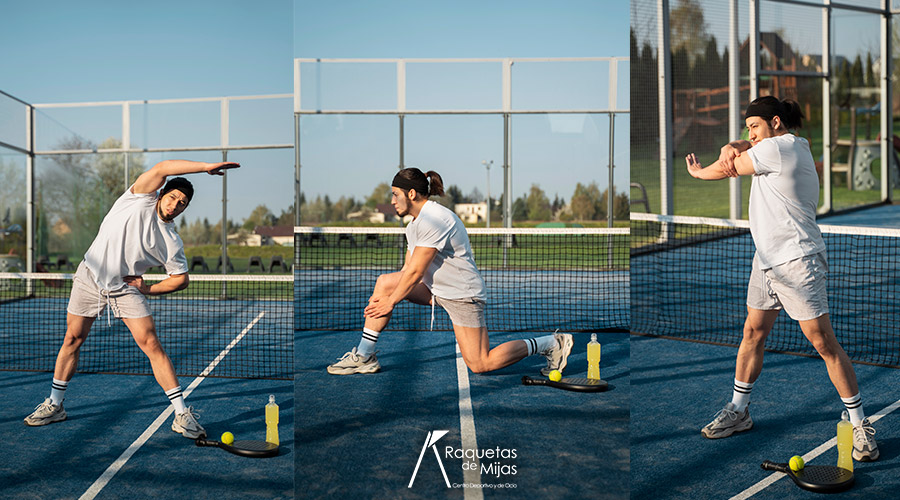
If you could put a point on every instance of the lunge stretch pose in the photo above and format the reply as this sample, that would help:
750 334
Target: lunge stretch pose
440 269
790 265
137 234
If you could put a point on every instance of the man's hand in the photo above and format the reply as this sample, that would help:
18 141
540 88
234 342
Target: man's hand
137 282
379 307
726 157
693 165
220 168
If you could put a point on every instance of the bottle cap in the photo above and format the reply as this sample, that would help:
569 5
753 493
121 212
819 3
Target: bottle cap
271 399
593 337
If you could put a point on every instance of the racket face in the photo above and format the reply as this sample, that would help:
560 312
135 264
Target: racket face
570 384
823 478
257 449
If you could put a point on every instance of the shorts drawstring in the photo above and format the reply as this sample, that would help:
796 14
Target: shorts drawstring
108 307
432 314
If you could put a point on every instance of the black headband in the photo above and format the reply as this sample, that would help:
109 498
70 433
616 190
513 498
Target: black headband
767 108
181 184
420 186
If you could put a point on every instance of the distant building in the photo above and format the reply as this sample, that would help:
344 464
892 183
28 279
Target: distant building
471 213
264 236
367 215
390 214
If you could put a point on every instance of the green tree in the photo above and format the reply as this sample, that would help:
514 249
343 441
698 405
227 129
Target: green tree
537 204
381 194
586 202
260 216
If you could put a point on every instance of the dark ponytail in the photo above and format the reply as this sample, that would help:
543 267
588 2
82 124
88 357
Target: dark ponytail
768 107
429 184
793 116
435 183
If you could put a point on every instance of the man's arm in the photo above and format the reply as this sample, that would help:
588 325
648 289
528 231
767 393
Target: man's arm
171 284
154 178
413 271
720 169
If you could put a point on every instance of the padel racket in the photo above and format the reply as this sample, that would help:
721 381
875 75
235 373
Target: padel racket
254 449
818 478
570 384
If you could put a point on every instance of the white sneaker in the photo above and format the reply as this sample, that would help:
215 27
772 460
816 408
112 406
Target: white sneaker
865 449
186 424
727 422
46 413
352 362
557 356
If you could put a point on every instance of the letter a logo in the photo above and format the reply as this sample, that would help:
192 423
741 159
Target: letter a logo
430 440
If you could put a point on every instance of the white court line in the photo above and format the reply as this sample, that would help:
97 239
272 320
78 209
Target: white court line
775 476
472 475
111 471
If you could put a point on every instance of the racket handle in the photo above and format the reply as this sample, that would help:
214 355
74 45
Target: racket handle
205 442
769 465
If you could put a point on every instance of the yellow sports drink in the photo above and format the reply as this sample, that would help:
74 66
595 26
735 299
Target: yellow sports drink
272 421
845 443
593 356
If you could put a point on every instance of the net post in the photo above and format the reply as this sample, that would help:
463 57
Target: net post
29 194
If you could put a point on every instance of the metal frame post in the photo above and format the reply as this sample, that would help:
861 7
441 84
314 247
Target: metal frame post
224 142
611 190
826 109
29 191
734 104
666 138
887 105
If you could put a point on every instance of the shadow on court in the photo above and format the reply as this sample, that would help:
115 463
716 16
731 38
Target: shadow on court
678 388
107 413
362 435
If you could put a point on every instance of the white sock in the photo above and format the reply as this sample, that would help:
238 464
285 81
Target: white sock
177 398
740 398
367 342
855 409
540 344
58 391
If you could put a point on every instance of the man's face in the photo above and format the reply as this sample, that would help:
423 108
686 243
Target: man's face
171 205
760 129
400 201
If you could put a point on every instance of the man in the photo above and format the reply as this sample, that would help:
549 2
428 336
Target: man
440 268
790 265
137 234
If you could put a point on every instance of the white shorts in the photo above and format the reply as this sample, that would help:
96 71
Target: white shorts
88 299
463 312
797 286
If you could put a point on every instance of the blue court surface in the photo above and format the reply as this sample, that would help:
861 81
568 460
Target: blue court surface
115 444
879 216
679 386
362 436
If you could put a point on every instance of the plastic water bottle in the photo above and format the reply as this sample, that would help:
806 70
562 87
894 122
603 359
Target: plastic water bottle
845 442
272 421
593 356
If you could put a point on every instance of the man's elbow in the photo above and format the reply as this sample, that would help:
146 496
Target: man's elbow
185 281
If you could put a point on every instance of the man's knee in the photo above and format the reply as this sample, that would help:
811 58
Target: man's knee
385 284
755 332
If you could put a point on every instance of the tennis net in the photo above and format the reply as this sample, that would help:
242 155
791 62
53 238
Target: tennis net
245 321
689 281
572 279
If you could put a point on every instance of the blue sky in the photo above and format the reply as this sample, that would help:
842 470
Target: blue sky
59 51
554 153
56 51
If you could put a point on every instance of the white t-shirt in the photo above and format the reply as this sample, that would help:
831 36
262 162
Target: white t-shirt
452 274
783 201
132 238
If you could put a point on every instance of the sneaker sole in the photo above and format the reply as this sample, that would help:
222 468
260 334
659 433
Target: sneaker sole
189 435
724 433
45 421
866 458
567 349
351 371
